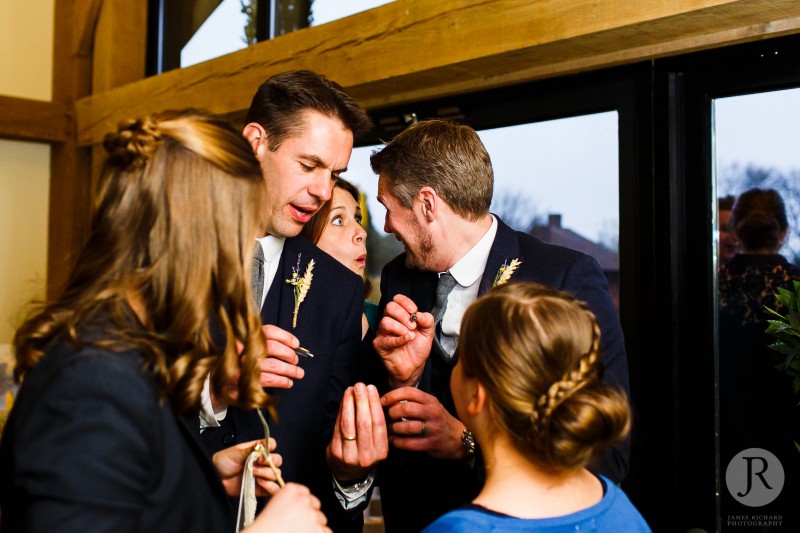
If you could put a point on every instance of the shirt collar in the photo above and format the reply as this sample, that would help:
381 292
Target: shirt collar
272 246
469 268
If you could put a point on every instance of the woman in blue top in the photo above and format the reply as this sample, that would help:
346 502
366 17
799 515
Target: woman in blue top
526 385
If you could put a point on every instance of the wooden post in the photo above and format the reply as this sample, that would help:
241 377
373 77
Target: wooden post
70 198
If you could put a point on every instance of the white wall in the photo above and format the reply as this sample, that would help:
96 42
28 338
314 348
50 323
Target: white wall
26 65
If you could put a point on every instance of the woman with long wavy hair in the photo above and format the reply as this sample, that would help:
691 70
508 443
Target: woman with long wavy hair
103 434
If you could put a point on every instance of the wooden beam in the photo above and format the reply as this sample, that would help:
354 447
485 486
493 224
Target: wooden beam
33 120
86 14
378 54
117 61
70 190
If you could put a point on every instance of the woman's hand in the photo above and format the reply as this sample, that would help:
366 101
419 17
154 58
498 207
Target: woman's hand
230 464
292 510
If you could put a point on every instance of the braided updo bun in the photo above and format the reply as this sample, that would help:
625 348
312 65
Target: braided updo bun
133 144
536 351
759 220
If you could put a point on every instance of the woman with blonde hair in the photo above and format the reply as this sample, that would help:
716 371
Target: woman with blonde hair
103 435
526 384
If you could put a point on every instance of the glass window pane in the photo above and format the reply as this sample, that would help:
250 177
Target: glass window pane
188 32
756 161
323 11
223 32
558 179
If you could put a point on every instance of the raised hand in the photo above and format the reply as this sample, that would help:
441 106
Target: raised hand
360 440
420 423
279 368
404 340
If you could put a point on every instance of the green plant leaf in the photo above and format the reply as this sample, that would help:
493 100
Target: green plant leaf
776 326
782 347
785 297
774 312
794 320
786 333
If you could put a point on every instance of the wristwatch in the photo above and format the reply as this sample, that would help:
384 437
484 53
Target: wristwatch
468 445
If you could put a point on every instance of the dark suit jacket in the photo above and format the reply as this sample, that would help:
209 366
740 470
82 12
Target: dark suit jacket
416 489
329 325
89 446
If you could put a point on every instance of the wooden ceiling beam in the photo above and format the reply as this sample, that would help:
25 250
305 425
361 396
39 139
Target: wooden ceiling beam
407 51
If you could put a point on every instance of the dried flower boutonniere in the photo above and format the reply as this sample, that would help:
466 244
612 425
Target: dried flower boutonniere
505 272
301 285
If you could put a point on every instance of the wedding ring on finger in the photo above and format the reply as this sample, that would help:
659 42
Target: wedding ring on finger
348 437
424 429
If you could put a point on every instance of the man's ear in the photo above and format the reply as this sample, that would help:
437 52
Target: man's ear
429 202
256 135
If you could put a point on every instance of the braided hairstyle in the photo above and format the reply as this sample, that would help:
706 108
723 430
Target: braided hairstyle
536 352
759 220
167 260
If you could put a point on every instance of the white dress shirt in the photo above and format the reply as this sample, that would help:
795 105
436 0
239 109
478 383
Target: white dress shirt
272 248
467 272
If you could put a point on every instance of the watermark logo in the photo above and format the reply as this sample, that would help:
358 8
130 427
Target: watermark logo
754 477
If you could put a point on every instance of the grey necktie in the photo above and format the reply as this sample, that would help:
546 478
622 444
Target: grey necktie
443 290
257 279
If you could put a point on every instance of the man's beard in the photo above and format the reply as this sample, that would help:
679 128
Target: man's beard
422 258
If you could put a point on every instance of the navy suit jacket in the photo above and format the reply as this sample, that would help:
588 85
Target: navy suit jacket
329 325
90 446
415 488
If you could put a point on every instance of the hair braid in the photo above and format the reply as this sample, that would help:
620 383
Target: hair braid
133 144
570 383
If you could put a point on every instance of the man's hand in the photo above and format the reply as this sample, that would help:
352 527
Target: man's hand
292 510
230 465
359 438
403 343
279 368
422 424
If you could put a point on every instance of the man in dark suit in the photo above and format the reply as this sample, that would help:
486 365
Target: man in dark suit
301 128
436 184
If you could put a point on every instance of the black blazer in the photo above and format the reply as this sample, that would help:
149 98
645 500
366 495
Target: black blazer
89 446
329 325
416 489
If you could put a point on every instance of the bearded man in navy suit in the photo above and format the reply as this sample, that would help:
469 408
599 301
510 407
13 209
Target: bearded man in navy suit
301 128
436 183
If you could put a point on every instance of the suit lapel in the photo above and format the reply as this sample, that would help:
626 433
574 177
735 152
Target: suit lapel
504 248
423 291
279 304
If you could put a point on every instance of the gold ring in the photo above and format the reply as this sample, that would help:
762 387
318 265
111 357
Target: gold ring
348 437
424 429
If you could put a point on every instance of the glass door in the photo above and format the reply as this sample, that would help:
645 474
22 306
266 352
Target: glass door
756 162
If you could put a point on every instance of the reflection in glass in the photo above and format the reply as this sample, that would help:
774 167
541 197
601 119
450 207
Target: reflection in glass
757 162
